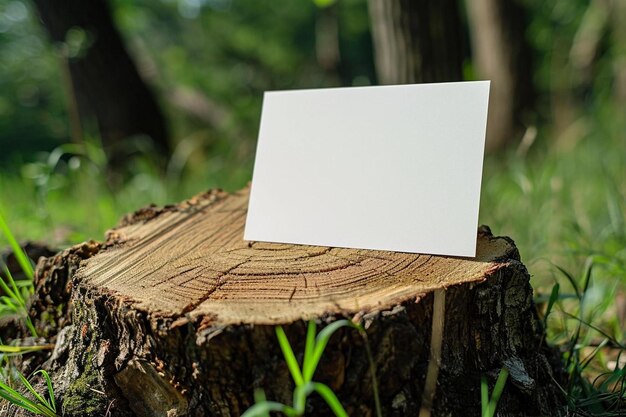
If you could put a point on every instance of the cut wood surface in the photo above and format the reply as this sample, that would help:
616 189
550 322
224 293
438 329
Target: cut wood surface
174 314
193 260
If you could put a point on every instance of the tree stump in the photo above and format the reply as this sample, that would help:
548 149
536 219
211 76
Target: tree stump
174 315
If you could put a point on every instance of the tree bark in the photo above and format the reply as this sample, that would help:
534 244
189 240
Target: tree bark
618 17
417 41
174 315
105 83
422 41
502 55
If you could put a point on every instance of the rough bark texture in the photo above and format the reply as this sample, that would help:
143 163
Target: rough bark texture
502 54
417 41
105 83
173 315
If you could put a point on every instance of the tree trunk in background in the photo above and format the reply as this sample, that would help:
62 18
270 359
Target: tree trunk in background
618 14
501 54
417 41
106 84
327 42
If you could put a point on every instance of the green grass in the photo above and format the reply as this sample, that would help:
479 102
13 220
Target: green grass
16 293
33 402
14 301
22 259
565 206
489 403
303 376
63 197
10 350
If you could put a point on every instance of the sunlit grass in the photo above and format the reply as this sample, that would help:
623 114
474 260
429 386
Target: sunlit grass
565 207
14 302
33 401
303 375
15 294
65 198
489 403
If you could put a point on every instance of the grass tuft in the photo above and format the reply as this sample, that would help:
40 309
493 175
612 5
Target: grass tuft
35 403
22 258
303 376
15 300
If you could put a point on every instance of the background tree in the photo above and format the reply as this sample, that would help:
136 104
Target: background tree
501 54
423 41
417 41
105 85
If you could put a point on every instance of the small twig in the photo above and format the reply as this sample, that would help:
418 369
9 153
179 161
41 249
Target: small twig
97 391
108 411
436 339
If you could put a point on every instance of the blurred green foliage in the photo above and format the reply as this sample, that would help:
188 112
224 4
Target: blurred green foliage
560 191
208 60
32 111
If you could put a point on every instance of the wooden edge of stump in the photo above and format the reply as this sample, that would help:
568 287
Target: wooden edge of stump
173 315
191 261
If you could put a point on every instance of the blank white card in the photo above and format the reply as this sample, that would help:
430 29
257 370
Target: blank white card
390 168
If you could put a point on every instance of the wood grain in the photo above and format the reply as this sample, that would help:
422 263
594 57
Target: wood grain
191 259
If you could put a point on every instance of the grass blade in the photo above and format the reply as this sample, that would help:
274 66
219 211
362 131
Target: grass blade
300 395
20 255
611 339
5 310
586 361
308 368
14 285
46 376
572 358
331 399
20 350
324 336
571 280
290 358
9 303
41 406
263 409
554 296
17 398
15 296
314 348
10 292
589 262
259 396
31 326
30 388
484 397
497 391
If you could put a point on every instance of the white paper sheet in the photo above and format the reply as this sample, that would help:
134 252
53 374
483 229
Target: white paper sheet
391 168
